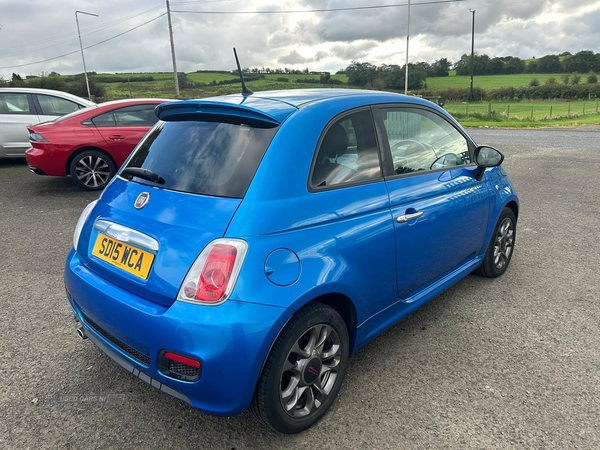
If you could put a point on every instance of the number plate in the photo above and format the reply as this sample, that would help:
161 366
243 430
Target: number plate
131 259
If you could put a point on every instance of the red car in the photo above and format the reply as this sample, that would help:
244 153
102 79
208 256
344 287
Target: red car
91 143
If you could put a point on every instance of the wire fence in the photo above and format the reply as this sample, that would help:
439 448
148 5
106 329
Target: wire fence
526 111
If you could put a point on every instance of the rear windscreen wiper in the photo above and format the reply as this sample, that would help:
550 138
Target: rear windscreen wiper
143 173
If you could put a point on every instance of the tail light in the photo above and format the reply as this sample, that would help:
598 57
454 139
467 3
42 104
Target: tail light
81 222
36 137
214 273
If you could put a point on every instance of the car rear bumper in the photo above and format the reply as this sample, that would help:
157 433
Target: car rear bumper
46 162
231 340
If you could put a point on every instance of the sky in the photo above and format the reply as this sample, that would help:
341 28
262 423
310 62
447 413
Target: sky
38 30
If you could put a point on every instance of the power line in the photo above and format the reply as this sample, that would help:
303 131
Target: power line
89 46
354 8
92 30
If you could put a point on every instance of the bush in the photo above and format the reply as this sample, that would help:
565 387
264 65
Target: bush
575 78
534 82
565 78
283 79
551 81
592 78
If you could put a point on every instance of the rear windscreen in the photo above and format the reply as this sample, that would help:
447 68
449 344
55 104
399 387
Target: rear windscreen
208 158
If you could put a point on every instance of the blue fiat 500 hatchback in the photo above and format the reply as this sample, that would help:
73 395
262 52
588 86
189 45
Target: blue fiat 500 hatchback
252 243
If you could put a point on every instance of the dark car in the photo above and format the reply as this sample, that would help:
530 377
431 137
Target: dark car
92 143
252 243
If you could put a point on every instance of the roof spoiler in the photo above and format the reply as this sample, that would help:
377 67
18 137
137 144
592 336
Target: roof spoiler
214 112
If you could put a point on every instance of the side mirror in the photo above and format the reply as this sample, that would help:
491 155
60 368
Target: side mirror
486 157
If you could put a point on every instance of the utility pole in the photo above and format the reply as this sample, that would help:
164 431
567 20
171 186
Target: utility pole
407 40
472 54
87 83
173 51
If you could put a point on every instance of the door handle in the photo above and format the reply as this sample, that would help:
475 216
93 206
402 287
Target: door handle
116 137
405 218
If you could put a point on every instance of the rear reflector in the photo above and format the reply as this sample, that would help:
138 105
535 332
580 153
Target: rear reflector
178 366
182 359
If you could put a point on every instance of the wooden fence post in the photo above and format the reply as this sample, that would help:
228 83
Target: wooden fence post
507 111
584 108
551 111
489 109
467 109
569 111
532 112
596 105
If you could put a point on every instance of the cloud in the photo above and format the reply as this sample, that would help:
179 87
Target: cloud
351 52
294 57
323 40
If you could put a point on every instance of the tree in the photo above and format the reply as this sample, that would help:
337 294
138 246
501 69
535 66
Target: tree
582 61
16 77
325 77
565 78
549 64
441 68
532 67
495 66
512 65
592 78
551 81
359 74
534 82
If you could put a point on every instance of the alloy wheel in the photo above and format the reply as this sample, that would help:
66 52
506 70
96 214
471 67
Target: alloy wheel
310 371
93 171
504 243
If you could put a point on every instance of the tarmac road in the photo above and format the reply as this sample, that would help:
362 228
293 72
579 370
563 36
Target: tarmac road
506 363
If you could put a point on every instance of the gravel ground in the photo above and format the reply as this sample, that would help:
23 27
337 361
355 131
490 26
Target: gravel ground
506 363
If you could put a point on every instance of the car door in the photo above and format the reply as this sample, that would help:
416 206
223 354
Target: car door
16 112
123 128
439 209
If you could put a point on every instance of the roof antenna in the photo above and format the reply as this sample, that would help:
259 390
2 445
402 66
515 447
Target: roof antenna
245 90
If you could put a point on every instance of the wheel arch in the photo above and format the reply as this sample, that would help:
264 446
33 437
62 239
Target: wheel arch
512 205
340 303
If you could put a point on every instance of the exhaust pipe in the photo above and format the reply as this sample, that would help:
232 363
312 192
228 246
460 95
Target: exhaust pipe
81 333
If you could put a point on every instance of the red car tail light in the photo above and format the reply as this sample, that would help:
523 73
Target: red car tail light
36 137
214 273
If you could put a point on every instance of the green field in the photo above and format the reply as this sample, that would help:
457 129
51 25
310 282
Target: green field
489 81
518 114
526 114
156 75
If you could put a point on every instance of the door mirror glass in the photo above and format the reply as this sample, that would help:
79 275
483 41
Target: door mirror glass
447 160
488 157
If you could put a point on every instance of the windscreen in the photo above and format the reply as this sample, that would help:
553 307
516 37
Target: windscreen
208 158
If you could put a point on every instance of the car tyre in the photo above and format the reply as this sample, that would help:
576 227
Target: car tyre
304 370
91 170
501 247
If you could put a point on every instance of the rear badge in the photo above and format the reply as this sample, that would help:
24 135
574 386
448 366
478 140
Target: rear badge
142 200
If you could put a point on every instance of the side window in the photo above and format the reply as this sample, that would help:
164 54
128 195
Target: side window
56 106
104 120
421 140
348 153
136 116
14 104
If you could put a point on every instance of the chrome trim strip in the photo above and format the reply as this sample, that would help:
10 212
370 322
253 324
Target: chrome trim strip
126 234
